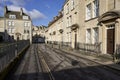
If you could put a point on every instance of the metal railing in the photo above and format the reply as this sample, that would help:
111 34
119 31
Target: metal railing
117 53
67 44
10 51
59 44
95 48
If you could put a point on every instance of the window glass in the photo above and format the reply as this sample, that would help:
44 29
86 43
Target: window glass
95 35
25 17
73 4
88 11
96 8
12 16
88 36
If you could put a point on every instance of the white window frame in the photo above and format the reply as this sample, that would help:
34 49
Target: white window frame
88 11
95 8
70 19
11 23
13 30
95 35
72 4
25 17
26 24
67 9
67 21
12 16
88 36
9 30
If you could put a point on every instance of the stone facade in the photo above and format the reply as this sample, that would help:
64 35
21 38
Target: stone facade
54 29
38 34
90 23
38 30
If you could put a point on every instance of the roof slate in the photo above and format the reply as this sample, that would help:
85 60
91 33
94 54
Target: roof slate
17 13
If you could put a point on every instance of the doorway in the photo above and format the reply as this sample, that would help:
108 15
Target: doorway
110 39
75 40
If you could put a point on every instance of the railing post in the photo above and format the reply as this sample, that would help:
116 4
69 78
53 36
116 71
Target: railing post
16 51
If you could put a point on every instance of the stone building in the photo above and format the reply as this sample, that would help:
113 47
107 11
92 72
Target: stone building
102 24
38 32
55 29
91 25
16 25
1 29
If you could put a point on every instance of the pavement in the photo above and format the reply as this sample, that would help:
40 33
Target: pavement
101 59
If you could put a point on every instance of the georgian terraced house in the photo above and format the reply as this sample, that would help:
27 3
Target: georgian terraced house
15 25
91 25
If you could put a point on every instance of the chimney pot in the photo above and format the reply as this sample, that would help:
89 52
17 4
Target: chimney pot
21 11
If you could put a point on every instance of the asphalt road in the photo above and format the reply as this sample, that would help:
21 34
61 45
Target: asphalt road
69 67
28 68
62 65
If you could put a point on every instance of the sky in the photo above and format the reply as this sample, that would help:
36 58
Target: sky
41 11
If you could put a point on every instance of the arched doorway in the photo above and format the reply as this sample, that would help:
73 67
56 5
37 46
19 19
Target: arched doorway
18 36
108 22
74 30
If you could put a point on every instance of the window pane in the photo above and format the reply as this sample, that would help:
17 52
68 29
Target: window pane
88 11
96 35
13 30
96 8
12 23
73 4
12 16
67 8
88 36
25 24
9 23
25 17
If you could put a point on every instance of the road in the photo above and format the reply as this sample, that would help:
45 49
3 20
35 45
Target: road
62 66
28 68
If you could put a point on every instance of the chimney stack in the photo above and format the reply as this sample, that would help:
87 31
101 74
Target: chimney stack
5 10
21 11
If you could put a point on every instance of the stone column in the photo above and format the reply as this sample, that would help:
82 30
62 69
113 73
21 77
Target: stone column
117 32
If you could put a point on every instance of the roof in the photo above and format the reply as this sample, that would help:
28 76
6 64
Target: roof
60 15
109 15
19 14
65 2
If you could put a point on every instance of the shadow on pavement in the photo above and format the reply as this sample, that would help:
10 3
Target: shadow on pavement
79 73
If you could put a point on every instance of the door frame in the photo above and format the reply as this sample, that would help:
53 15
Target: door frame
110 26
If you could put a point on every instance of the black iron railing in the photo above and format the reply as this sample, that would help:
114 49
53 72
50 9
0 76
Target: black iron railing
10 51
117 53
95 48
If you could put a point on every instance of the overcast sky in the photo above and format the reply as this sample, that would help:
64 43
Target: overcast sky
41 11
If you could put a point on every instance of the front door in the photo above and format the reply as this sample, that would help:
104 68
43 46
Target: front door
75 40
110 39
